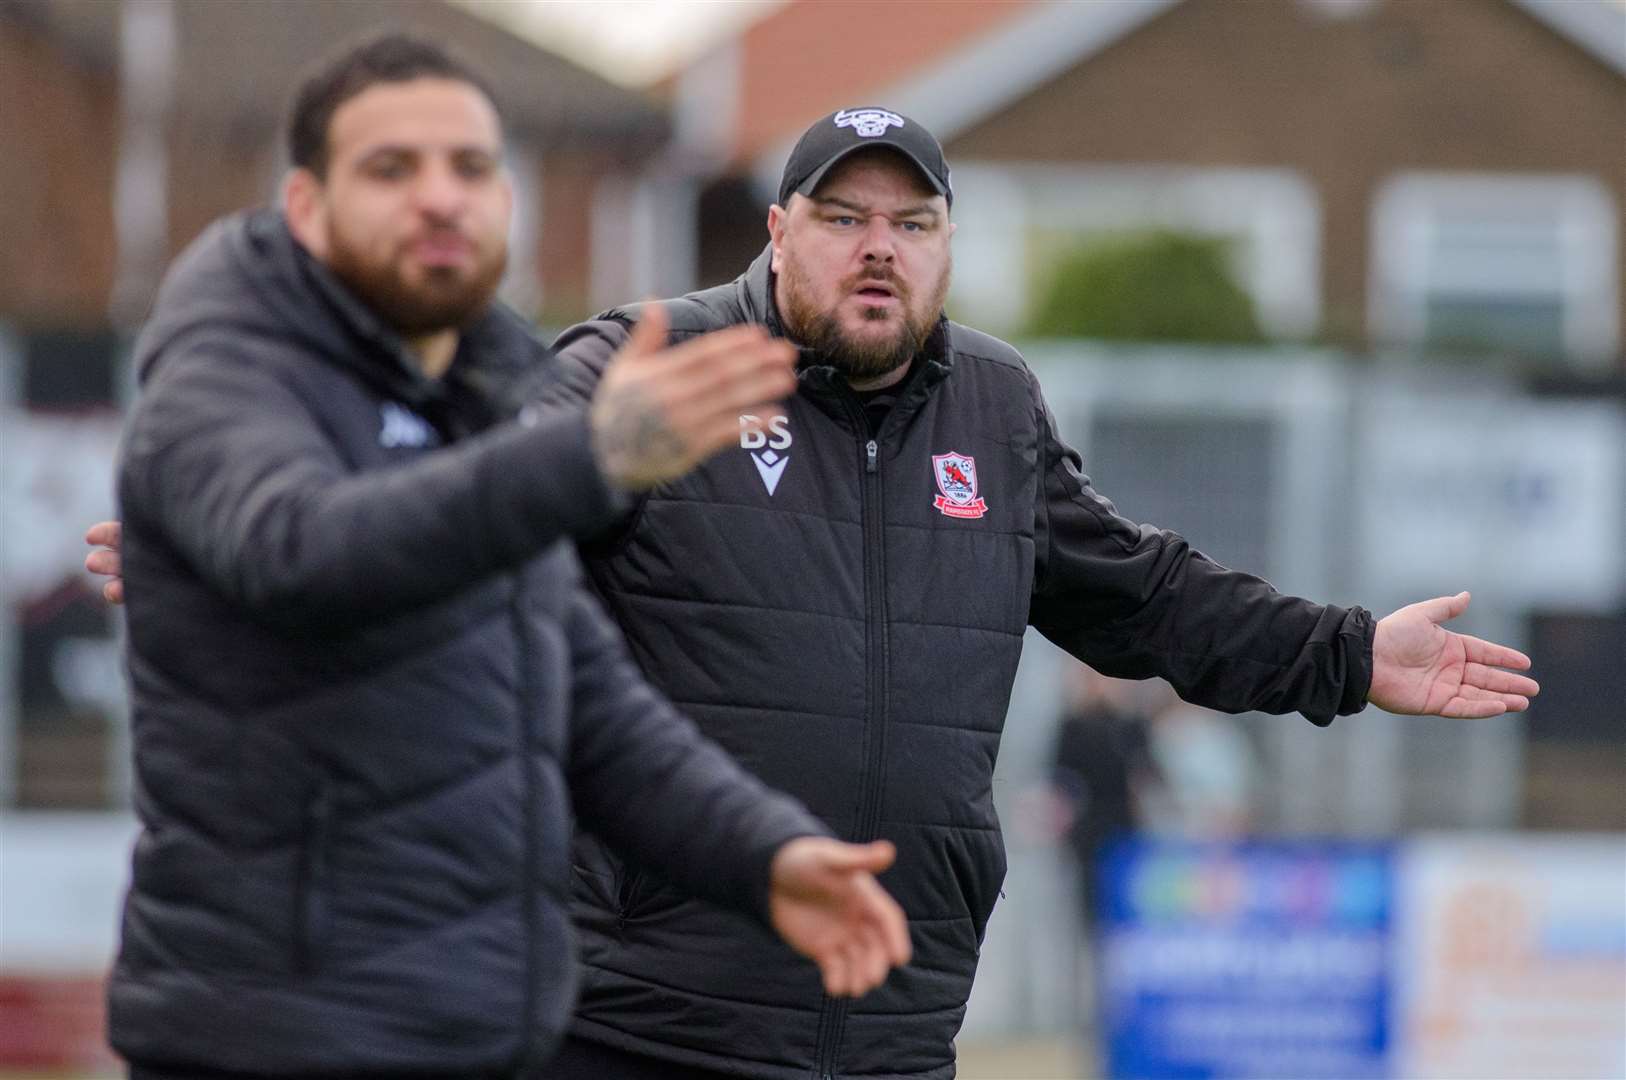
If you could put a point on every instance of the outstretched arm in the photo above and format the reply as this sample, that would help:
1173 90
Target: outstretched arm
654 414
1422 669
228 464
1135 601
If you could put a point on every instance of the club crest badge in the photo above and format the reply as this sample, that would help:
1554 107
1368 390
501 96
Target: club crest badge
868 122
956 475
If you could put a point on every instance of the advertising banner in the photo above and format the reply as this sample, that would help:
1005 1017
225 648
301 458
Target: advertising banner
1246 961
1511 960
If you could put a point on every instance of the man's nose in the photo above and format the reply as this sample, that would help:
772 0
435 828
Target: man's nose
878 240
439 191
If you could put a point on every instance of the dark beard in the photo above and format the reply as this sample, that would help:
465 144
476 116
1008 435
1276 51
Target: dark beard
446 299
864 359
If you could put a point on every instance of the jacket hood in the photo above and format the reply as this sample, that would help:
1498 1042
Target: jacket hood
755 290
246 277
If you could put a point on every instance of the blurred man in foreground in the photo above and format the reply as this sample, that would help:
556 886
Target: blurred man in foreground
370 692
841 600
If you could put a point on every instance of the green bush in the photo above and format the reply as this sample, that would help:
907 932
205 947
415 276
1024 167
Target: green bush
1145 286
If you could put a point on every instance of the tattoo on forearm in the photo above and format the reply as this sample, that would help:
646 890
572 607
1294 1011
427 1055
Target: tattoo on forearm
632 441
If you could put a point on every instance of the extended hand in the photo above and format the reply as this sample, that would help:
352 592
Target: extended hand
1421 668
827 905
660 411
104 536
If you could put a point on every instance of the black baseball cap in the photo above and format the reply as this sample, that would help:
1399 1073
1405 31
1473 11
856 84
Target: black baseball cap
846 131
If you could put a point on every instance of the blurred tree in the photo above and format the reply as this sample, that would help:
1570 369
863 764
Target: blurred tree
1157 285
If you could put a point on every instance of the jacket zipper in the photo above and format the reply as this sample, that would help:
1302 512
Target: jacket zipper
310 883
875 629
834 1019
531 1059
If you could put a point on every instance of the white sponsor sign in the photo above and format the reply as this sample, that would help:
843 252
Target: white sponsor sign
1511 958
56 479
1496 494
62 877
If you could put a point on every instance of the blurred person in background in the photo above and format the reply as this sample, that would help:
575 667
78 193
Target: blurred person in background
1103 782
1209 774
1102 771
370 691
841 603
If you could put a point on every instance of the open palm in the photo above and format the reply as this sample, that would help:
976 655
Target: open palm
827 905
1421 668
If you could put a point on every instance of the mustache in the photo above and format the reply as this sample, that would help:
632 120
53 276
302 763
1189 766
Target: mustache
438 232
880 276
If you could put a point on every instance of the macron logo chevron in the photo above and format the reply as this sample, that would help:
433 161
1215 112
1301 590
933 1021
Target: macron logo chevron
770 466
765 440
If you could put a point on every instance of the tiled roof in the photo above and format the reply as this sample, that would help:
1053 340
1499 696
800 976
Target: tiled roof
237 62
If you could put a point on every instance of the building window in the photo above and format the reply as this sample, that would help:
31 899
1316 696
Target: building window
522 283
1013 217
1511 264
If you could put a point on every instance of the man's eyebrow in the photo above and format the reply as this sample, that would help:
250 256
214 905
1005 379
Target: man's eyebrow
385 152
395 149
922 209
831 200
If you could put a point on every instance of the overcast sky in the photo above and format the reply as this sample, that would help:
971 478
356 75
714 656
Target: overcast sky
632 42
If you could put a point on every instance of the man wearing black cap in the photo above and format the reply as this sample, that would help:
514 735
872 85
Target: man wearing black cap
841 603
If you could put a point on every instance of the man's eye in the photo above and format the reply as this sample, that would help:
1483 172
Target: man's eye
388 169
913 226
843 219
475 168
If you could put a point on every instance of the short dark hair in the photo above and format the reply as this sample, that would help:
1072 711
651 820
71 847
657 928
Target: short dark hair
391 58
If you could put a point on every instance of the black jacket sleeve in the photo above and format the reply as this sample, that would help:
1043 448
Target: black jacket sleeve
227 462
1135 601
644 779
580 355
567 384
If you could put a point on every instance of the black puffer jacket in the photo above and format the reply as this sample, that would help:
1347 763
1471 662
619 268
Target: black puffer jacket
843 610
369 690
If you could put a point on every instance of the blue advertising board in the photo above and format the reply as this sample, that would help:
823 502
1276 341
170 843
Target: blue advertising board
1246 961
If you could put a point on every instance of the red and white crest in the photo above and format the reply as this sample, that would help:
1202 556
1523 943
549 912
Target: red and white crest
957 483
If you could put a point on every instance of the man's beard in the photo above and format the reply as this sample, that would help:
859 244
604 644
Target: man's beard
860 358
446 298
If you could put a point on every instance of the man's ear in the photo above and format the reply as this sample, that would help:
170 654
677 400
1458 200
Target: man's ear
776 232
304 202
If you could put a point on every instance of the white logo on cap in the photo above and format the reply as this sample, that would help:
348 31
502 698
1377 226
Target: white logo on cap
868 122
